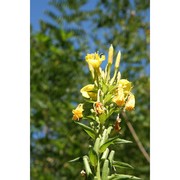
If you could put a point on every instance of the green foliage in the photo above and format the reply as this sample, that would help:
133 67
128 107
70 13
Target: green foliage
57 72
55 66
87 129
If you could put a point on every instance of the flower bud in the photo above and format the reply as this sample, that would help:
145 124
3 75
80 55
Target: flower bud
118 60
110 55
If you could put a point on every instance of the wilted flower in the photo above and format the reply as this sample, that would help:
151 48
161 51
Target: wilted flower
94 60
87 91
77 113
117 125
130 104
98 106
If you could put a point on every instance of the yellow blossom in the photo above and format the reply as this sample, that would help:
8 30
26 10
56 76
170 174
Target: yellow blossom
126 85
130 104
94 60
87 91
77 113
119 98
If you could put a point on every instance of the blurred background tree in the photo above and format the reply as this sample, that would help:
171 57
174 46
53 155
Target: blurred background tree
58 71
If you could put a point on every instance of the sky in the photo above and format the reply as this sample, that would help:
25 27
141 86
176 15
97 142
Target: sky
37 13
37 8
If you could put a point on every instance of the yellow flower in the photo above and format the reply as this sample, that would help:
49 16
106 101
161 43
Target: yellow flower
94 60
130 104
87 91
119 98
77 113
126 85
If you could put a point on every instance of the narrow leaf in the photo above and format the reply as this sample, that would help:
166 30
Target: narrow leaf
93 157
119 164
121 176
78 159
87 129
121 141
106 144
107 98
102 118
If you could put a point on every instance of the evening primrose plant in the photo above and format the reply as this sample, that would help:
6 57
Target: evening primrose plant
106 97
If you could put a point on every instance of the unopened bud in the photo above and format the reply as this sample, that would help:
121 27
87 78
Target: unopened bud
110 55
118 60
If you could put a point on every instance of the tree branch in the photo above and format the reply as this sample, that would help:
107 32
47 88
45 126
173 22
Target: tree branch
138 142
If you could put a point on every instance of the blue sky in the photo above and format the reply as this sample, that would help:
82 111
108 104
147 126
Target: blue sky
37 8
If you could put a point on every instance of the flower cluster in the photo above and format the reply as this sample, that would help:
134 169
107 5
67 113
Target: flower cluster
108 94
113 92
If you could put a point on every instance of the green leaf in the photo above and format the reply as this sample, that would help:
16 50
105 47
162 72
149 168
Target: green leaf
105 170
104 88
90 117
89 101
102 118
112 87
106 144
119 164
107 98
87 129
121 176
121 141
78 159
110 141
93 157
